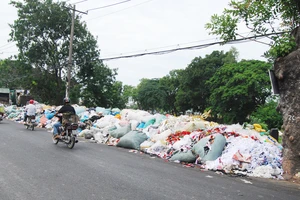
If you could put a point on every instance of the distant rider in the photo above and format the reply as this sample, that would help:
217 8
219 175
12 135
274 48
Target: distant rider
66 108
30 110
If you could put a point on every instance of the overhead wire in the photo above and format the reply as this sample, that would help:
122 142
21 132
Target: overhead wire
80 2
170 46
119 10
5 44
201 46
108 5
7 47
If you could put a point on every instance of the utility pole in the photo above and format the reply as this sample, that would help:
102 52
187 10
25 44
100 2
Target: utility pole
71 52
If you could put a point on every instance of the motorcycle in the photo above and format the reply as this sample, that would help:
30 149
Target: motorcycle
1 116
30 123
66 134
1 112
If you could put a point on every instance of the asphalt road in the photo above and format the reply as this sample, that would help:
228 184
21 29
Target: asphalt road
33 168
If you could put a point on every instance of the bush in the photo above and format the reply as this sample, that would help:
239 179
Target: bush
266 115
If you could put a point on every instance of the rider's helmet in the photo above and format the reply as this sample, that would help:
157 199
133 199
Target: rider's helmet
31 101
66 100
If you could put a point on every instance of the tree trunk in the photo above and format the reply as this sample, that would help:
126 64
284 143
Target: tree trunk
287 71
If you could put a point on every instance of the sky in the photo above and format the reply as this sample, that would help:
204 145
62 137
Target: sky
139 26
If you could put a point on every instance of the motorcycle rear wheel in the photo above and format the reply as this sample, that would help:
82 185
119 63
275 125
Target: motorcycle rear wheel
72 142
55 141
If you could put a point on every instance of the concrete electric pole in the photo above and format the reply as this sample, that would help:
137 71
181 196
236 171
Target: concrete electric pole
71 52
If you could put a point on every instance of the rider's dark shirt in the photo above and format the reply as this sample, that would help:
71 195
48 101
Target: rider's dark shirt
65 109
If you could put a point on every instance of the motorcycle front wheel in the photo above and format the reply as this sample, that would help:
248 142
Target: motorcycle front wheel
71 143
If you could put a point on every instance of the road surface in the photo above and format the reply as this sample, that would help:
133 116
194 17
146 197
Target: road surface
33 168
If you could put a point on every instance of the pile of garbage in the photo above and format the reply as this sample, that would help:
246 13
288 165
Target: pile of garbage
245 150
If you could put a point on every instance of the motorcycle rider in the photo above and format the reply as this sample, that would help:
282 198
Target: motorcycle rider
30 110
2 110
66 108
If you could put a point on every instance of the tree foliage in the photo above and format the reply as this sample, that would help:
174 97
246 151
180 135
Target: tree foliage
260 17
268 114
238 89
193 92
170 85
12 74
42 34
129 96
150 95
116 96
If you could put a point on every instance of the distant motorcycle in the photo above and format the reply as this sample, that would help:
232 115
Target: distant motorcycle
1 116
1 113
30 123
66 134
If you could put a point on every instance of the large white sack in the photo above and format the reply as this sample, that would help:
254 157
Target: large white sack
107 120
150 131
134 124
146 144
161 136
183 142
84 132
195 125
147 118
102 124
131 115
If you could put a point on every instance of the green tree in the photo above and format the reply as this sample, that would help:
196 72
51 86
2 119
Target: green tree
268 114
193 92
170 85
42 34
129 94
260 17
12 74
238 89
149 95
116 96
97 83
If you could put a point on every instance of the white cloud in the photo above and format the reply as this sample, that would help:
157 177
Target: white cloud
130 27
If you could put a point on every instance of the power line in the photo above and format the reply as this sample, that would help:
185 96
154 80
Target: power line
6 47
5 44
108 5
120 10
240 40
204 40
80 2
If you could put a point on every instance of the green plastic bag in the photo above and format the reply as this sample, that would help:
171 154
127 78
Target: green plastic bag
184 157
132 140
216 148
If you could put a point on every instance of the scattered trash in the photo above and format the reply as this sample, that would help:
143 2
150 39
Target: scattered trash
195 143
245 181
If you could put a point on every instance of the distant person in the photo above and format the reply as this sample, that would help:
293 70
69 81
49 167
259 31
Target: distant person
30 110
